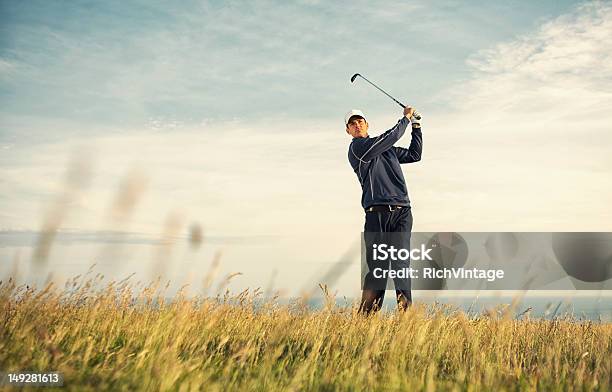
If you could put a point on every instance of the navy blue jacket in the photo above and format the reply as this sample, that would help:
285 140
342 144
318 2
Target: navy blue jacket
377 164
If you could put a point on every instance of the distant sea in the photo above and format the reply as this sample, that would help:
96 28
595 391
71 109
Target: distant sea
596 309
580 308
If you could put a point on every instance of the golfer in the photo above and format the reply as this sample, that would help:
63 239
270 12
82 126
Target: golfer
376 161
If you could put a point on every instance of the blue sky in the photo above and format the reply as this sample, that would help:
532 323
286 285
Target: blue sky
124 64
139 120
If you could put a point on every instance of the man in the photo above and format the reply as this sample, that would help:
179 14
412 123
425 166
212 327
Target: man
376 161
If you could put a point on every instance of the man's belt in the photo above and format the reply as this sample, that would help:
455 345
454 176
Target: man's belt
383 208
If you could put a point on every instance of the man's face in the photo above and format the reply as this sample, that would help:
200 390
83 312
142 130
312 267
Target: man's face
357 127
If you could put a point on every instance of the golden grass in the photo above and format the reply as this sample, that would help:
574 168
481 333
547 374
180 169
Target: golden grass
100 341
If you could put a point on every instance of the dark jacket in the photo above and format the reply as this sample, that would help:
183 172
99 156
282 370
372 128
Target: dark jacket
377 164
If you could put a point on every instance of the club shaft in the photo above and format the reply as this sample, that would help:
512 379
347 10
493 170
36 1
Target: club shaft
417 116
383 91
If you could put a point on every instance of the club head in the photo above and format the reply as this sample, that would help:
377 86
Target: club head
353 77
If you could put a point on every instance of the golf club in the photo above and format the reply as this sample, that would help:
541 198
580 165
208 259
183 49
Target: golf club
416 115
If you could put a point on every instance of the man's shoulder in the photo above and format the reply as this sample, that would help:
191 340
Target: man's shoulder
354 148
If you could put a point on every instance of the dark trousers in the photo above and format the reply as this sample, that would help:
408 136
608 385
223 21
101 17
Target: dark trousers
399 220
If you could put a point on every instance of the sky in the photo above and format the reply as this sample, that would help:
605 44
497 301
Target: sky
126 127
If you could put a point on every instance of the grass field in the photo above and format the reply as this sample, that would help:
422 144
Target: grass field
99 340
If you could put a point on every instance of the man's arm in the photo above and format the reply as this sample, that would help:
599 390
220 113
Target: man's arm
369 148
413 152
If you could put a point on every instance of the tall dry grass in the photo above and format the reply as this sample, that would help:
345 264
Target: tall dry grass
101 340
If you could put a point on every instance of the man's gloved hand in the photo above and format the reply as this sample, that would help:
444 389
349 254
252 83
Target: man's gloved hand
413 119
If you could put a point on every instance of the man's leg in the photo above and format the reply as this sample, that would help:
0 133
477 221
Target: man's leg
371 300
373 293
402 222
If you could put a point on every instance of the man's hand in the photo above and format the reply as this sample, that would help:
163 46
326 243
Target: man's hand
408 111
416 123
411 114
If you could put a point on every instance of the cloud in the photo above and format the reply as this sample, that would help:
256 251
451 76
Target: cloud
208 172
561 73
5 67
529 132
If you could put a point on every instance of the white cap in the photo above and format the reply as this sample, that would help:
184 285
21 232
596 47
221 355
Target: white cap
354 112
